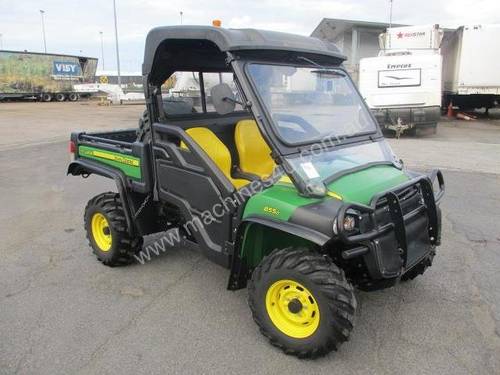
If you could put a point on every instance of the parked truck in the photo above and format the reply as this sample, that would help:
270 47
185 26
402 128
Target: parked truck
470 73
402 85
44 76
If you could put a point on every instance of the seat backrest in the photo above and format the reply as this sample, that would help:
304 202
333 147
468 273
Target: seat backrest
213 146
253 151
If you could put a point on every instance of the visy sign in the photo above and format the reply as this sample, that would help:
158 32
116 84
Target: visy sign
62 68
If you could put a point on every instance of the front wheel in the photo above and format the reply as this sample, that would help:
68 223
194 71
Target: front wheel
107 233
302 302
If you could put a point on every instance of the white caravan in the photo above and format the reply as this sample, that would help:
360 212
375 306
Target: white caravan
402 86
471 71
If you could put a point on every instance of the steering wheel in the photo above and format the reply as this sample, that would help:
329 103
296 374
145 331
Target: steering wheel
308 131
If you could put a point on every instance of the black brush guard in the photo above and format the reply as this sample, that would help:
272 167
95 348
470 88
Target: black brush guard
394 234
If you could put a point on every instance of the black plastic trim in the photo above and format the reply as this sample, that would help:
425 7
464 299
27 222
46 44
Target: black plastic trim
79 167
297 230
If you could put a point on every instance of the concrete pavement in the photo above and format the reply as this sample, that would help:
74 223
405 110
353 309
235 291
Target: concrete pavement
62 312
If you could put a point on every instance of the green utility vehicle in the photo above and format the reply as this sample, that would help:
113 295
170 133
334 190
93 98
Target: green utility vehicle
276 171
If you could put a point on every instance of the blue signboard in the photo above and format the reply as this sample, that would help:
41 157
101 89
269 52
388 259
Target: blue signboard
66 68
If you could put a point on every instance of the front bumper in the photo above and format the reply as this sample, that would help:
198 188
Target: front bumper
400 227
413 117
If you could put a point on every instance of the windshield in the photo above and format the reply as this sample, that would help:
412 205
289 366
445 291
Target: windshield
328 164
307 104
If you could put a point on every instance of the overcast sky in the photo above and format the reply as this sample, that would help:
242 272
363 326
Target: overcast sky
73 26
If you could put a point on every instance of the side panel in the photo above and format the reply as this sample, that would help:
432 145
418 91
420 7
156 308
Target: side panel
479 57
190 180
129 165
471 61
278 202
25 73
401 81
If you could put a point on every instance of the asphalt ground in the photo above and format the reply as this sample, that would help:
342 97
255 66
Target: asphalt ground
62 312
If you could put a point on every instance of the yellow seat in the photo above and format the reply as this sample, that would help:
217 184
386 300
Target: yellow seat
216 150
254 153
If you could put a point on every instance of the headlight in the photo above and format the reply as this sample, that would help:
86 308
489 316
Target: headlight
349 223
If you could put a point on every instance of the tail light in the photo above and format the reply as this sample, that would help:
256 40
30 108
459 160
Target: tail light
72 150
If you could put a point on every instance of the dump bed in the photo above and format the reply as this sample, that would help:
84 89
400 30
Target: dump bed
115 154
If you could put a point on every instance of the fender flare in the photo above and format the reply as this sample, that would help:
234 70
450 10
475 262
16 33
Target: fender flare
239 272
311 235
81 167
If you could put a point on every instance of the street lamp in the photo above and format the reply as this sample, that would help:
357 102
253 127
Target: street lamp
102 50
117 49
181 13
42 12
390 14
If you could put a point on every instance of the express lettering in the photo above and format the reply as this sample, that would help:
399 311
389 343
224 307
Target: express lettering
398 66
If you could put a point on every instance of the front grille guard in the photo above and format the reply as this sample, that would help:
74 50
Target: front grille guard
430 201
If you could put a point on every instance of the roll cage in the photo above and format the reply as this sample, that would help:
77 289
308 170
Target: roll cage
212 49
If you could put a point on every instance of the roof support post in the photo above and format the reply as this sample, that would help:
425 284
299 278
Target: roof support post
354 46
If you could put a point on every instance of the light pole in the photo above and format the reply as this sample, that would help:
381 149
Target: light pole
42 12
102 50
117 49
181 13
390 14
1 41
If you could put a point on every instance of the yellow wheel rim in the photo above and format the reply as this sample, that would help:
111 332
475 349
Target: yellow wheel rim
101 232
292 309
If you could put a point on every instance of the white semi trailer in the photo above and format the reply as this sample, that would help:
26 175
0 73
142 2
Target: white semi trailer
471 71
402 85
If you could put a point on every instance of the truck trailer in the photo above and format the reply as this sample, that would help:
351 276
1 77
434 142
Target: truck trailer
402 85
44 76
471 78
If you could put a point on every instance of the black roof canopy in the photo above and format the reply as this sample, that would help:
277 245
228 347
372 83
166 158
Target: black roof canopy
203 48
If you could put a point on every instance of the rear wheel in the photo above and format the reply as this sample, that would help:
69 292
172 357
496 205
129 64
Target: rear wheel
144 132
106 229
46 97
73 97
60 97
302 302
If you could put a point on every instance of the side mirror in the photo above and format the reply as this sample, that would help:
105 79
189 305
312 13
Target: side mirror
223 98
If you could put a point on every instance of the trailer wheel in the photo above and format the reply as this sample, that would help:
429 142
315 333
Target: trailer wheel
46 97
73 97
302 302
106 229
60 97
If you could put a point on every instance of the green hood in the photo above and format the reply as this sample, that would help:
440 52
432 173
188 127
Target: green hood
361 186
281 200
